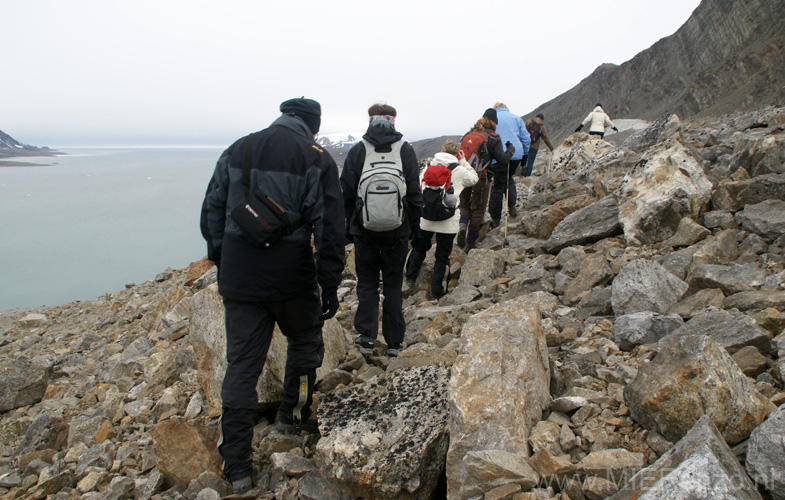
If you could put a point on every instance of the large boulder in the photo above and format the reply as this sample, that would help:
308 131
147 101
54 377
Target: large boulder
587 225
766 454
541 223
693 376
766 218
578 151
386 438
732 330
666 186
208 338
595 271
761 155
505 353
22 383
643 285
700 466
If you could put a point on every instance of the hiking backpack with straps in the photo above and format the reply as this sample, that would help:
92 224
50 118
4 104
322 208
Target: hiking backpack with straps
439 201
475 147
534 129
381 191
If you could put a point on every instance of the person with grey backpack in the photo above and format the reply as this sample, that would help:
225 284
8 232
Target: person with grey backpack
383 204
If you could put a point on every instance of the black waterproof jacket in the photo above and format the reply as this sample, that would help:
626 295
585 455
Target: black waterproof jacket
381 138
291 168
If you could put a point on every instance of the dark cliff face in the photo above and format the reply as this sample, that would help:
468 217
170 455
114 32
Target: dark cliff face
729 56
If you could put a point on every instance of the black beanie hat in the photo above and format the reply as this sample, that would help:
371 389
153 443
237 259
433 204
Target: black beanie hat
599 104
490 113
307 109
540 116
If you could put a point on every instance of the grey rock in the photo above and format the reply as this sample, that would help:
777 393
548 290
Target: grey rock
22 383
47 431
729 279
386 437
694 376
766 218
643 285
678 263
567 404
731 330
691 304
595 271
688 233
646 327
587 225
758 299
701 465
505 352
314 486
481 267
766 454
751 361
120 488
720 249
598 302
462 294
719 219
570 259
291 464
494 468
612 464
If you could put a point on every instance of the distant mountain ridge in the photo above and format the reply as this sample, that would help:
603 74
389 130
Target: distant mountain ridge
728 56
10 147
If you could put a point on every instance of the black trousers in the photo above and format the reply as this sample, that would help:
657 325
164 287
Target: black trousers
249 331
423 243
502 178
371 257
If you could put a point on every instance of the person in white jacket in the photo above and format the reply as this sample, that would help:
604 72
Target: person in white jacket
463 176
599 120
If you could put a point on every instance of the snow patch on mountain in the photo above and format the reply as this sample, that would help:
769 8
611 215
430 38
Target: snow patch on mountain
345 140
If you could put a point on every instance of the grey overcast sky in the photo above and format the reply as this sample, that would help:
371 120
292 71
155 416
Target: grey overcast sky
197 72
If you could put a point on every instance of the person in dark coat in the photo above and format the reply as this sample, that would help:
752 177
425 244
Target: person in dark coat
537 130
380 251
279 283
474 200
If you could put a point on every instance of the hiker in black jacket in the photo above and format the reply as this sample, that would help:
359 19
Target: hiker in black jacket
262 286
380 251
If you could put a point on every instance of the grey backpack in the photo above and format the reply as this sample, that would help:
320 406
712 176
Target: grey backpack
382 189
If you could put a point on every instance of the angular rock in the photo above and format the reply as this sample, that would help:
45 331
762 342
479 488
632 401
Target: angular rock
690 305
731 330
643 285
387 437
481 267
505 352
596 303
640 328
314 486
766 454
729 279
47 431
22 383
587 225
185 450
688 233
758 299
694 376
570 259
666 186
546 435
751 361
598 488
495 468
766 218
720 249
615 465
33 320
594 271
719 219
701 465
291 464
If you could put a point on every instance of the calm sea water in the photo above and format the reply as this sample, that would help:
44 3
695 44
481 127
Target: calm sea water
97 219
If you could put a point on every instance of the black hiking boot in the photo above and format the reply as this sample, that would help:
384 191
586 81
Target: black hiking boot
310 426
365 344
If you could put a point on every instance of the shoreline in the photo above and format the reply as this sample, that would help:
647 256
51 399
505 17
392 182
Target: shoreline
23 164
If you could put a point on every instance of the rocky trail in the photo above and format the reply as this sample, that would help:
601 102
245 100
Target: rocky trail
625 340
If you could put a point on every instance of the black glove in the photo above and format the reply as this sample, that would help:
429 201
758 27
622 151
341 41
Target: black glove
329 303
509 147
579 127
616 129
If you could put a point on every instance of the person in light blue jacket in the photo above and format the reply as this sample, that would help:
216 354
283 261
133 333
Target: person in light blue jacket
510 128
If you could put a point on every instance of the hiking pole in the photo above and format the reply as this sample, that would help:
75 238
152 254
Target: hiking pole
507 206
